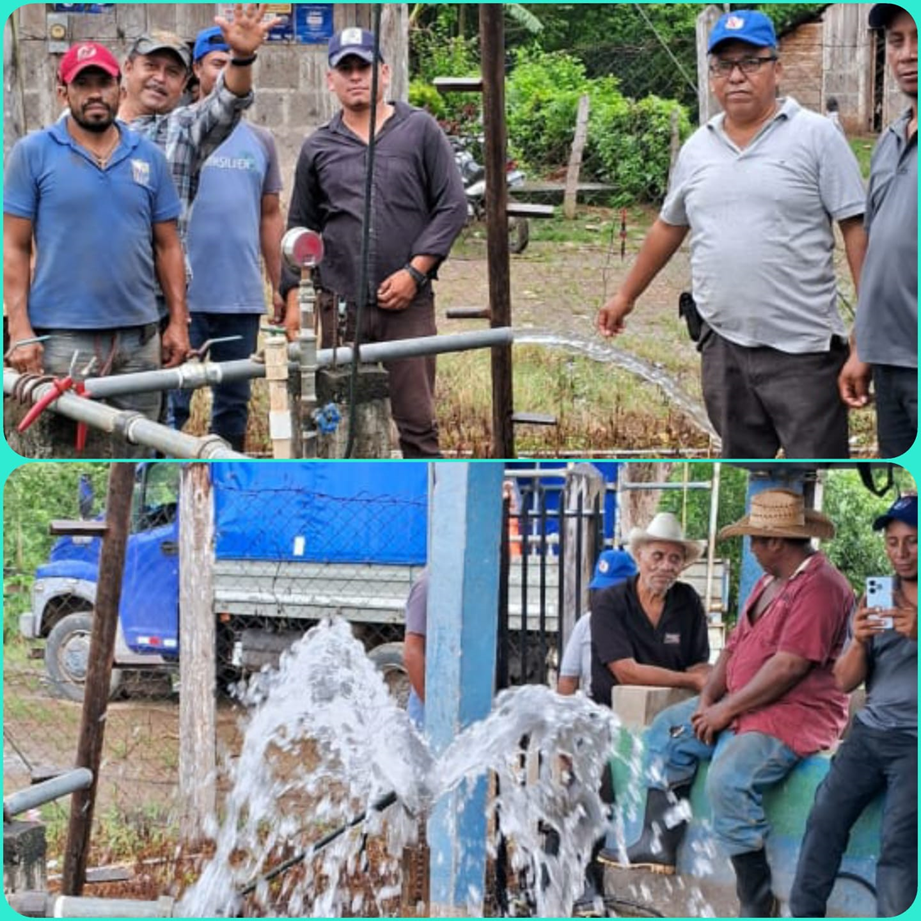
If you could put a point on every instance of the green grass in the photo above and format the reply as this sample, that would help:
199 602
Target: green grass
863 150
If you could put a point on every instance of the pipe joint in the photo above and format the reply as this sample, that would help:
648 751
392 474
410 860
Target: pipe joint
125 422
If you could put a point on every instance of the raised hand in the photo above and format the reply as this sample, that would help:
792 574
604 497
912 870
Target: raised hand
248 28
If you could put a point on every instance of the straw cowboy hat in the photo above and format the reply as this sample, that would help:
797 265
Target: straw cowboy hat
781 513
666 527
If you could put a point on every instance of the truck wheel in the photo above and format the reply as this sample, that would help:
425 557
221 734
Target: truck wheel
388 657
67 656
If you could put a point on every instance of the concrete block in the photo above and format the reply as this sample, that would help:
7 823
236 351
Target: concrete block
372 412
278 68
637 706
270 108
98 27
24 850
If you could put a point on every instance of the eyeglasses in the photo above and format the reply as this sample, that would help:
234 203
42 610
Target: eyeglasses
723 67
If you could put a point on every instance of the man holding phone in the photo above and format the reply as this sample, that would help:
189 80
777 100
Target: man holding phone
881 750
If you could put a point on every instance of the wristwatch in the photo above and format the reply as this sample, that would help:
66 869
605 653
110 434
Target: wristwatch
420 278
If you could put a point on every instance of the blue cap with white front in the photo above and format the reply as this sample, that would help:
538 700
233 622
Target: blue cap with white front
613 567
743 26
353 41
904 509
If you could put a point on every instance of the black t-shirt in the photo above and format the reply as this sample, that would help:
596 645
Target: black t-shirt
621 630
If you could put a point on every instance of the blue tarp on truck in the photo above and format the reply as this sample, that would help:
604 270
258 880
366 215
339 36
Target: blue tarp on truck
322 512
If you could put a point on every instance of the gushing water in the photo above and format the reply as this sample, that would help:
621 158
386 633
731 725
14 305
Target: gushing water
609 354
325 740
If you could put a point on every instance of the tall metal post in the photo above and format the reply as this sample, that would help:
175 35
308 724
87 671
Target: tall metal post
464 549
99 672
492 53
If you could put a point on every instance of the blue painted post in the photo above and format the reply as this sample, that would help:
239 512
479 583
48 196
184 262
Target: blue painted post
464 549
758 482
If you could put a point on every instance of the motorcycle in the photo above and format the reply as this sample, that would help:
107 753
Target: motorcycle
473 175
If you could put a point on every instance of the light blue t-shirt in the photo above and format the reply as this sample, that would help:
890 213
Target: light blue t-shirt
224 245
93 227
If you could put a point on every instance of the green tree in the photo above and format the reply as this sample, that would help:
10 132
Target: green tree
34 496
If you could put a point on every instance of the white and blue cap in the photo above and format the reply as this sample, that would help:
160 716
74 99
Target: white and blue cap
613 567
352 41
743 26
904 509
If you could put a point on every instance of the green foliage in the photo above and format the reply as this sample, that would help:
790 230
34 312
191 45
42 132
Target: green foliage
425 96
629 142
632 142
857 550
693 508
35 495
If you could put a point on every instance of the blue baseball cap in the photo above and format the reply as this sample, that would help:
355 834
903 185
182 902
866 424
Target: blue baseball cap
209 40
613 567
353 41
904 509
743 26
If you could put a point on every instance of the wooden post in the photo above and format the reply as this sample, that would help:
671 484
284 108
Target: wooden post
706 102
197 629
99 672
675 141
492 53
575 160
583 482
281 424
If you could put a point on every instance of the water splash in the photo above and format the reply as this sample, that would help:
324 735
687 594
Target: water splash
325 739
609 354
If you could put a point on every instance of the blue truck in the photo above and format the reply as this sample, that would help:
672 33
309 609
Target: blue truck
293 543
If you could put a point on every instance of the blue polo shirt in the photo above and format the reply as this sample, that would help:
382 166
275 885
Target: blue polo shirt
93 227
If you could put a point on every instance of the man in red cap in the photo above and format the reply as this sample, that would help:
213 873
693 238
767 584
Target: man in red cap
93 196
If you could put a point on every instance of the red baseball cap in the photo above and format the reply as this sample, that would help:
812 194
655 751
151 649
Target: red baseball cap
87 54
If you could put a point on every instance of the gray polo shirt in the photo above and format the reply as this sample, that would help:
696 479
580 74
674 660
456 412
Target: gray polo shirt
887 312
762 239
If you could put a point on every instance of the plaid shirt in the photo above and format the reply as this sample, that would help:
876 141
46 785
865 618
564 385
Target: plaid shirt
189 135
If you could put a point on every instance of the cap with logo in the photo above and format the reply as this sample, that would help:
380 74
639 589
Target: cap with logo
152 42
904 509
209 40
353 41
613 567
743 26
83 55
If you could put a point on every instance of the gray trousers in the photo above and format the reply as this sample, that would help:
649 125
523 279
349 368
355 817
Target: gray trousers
761 400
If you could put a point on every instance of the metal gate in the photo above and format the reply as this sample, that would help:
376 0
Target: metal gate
553 538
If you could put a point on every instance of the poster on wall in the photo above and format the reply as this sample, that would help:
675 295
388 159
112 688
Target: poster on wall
304 23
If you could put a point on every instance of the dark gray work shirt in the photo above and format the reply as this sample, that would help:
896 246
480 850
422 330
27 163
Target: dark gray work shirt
891 683
418 205
887 312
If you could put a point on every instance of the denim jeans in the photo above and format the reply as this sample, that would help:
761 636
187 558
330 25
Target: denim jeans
230 399
117 351
868 762
742 768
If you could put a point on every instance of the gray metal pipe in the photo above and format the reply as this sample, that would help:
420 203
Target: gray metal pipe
204 374
41 793
136 428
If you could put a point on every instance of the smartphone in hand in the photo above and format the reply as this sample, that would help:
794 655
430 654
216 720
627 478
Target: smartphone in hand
879 595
